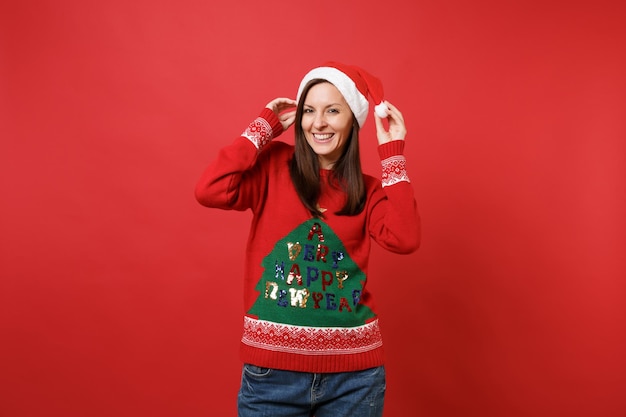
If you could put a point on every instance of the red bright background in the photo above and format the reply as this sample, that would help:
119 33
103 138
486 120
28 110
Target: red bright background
120 295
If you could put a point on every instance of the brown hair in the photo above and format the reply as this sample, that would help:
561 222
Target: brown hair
346 172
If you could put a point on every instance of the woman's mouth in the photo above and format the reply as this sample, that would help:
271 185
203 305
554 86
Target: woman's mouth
323 137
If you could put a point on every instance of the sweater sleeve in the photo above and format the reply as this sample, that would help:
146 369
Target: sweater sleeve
236 179
394 221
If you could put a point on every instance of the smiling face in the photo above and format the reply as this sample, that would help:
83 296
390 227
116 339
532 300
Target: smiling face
326 123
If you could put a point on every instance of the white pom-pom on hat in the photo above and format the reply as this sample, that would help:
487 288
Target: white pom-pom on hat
381 110
355 84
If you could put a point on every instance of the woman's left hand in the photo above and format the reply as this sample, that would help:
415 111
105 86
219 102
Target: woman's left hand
397 129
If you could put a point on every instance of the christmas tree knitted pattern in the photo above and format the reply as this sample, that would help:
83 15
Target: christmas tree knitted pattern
309 279
306 303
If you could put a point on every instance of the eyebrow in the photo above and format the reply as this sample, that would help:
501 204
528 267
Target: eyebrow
329 105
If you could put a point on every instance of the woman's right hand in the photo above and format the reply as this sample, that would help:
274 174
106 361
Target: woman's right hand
284 109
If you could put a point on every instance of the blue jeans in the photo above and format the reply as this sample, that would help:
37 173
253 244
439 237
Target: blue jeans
268 392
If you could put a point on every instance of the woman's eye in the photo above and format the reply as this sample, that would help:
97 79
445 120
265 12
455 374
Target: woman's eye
308 111
333 111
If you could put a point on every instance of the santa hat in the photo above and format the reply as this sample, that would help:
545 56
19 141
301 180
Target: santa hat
355 84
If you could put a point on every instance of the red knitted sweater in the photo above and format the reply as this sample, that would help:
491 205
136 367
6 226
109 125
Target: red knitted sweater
306 304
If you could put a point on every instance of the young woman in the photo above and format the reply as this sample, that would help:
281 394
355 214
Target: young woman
311 341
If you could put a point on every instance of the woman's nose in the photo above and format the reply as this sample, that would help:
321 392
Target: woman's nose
320 120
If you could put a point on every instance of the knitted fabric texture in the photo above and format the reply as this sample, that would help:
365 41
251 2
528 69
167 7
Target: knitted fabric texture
306 304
